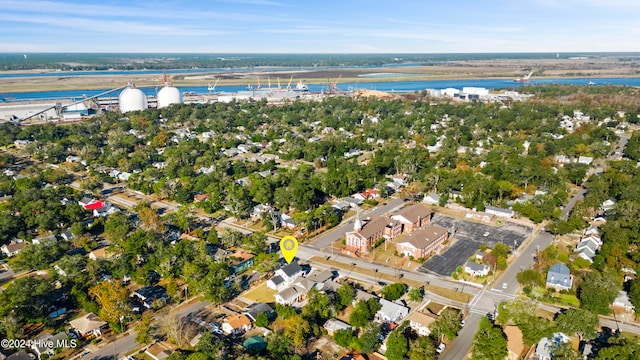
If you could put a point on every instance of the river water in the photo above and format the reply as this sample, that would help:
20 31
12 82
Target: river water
390 86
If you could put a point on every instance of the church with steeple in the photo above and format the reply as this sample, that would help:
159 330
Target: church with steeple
367 231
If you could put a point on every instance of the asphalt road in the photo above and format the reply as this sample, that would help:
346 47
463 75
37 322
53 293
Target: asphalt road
116 349
6 273
524 259
125 345
459 348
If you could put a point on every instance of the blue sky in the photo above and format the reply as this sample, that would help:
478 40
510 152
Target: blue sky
304 26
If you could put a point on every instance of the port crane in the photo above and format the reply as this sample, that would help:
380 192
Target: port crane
332 87
213 88
524 78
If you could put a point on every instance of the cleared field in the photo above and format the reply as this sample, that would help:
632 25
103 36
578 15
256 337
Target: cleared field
260 294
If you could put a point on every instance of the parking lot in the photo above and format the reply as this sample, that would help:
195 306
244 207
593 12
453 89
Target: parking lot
469 235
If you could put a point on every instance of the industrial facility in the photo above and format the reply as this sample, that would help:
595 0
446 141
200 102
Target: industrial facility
131 98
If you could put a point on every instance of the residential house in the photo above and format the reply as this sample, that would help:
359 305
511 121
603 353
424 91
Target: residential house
44 238
105 210
391 311
13 248
413 217
432 198
200 197
622 302
586 160
258 210
285 276
321 277
73 159
88 325
256 309
352 202
241 261
423 242
546 345
500 212
98 254
371 193
67 235
151 295
593 230
287 221
362 295
588 246
475 269
44 346
85 202
341 206
187 237
21 144
238 323
366 233
294 293
607 205
515 343
243 181
559 277
159 351
400 179
456 195
420 322
20 355
333 325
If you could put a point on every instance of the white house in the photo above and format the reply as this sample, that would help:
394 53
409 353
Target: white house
500 212
285 276
559 277
433 199
294 293
236 323
44 238
475 269
333 325
391 311
13 248
47 344
420 322
546 345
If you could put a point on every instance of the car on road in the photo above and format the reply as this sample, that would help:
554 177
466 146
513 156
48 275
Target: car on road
504 285
441 348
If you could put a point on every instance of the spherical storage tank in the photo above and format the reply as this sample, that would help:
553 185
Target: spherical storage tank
132 99
169 95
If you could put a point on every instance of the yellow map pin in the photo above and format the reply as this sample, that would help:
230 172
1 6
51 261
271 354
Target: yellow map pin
289 248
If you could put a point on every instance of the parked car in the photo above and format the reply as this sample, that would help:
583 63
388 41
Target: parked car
440 348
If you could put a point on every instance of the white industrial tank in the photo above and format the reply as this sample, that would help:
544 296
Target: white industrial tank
169 95
132 99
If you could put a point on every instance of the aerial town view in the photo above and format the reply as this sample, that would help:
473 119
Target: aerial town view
282 180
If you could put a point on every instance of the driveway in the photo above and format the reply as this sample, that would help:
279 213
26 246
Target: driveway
469 235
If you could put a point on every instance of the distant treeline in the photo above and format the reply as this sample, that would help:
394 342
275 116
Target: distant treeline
101 61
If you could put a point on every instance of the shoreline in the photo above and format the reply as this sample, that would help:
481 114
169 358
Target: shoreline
504 69
119 81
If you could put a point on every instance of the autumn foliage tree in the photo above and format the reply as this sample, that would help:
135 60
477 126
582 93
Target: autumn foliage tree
112 298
